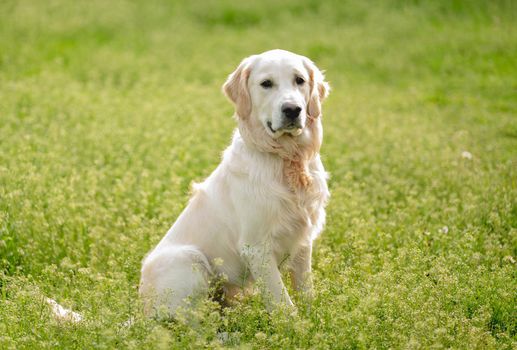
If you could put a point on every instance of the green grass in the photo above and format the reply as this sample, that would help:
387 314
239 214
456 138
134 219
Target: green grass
110 109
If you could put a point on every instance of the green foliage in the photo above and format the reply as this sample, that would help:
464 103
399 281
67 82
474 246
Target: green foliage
109 109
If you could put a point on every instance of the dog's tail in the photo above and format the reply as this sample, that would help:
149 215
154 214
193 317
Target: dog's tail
61 313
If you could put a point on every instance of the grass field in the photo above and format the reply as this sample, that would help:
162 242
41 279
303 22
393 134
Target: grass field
110 109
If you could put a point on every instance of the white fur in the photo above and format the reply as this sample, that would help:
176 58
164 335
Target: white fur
61 313
249 216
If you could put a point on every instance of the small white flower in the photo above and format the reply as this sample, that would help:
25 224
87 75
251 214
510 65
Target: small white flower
223 337
444 229
218 262
466 155
128 323
260 336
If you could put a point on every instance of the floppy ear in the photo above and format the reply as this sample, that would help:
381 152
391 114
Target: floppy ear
319 88
236 88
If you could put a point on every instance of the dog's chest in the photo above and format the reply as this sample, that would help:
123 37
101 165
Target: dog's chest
298 216
267 207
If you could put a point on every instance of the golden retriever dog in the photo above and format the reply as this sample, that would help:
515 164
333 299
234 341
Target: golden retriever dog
264 204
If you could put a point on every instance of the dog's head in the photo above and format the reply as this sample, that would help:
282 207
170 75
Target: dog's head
277 90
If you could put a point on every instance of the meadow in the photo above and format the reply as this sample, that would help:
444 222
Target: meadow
109 110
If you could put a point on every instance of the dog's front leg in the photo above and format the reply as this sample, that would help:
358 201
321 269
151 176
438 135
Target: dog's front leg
264 270
300 268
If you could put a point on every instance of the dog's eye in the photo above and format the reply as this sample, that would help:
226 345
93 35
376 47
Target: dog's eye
266 84
300 80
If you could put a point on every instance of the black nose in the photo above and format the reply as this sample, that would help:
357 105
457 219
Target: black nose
291 111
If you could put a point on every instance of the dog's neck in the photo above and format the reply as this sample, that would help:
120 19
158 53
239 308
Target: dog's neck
296 152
